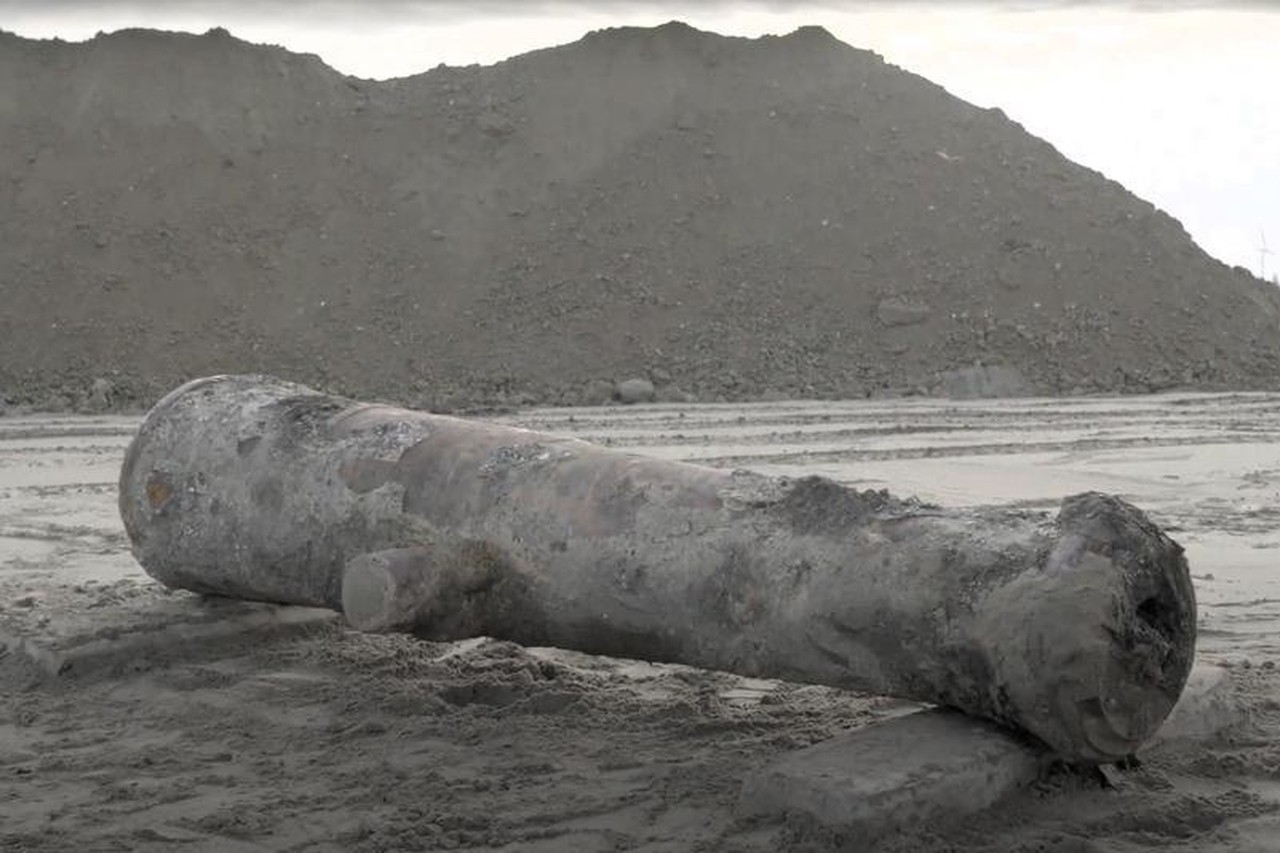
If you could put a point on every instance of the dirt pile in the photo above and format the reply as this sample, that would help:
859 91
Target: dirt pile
722 217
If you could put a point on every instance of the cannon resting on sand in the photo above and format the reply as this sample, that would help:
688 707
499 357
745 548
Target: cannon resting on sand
1078 630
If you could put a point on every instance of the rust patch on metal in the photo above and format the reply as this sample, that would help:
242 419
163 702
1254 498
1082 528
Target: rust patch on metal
365 475
158 490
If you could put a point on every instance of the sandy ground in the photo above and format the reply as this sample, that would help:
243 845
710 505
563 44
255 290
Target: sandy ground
334 740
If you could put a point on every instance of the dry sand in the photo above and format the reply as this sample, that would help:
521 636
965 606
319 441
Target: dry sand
333 740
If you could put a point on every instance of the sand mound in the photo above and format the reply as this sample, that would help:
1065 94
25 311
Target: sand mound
723 217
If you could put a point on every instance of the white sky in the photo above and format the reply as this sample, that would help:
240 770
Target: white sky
1180 102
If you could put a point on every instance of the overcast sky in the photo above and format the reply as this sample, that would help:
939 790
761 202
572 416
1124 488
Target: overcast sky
1179 101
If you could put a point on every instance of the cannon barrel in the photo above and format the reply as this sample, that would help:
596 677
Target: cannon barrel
1079 629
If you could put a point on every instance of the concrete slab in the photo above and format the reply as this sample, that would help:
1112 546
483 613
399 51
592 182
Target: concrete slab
934 764
916 768
96 629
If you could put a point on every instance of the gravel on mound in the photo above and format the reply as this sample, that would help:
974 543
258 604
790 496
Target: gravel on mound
724 218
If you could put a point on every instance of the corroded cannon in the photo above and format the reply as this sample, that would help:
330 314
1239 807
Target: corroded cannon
1078 629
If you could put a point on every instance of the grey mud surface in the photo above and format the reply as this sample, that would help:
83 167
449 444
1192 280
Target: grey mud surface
325 739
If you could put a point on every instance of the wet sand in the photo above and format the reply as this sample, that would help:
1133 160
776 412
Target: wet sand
340 741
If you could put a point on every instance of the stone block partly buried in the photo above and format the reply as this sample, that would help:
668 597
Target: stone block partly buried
917 768
1208 707
105 629
634 391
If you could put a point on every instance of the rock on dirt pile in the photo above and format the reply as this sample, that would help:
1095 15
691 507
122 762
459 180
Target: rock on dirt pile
721 217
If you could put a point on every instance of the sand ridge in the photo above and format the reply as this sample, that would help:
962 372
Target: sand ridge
727 218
